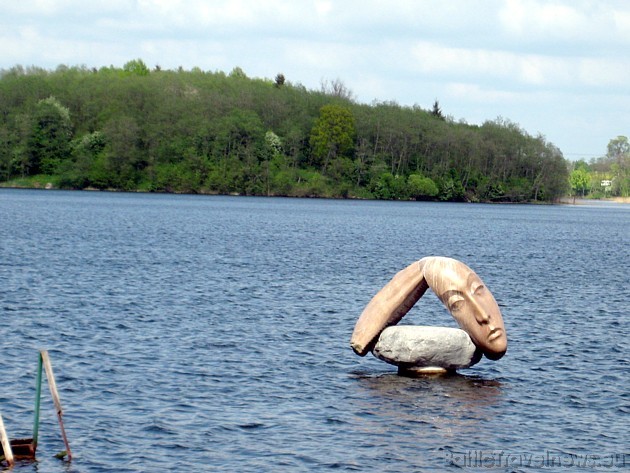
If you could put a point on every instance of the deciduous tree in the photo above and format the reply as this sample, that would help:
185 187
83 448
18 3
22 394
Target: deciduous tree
579 181
421 187
49 142
333 134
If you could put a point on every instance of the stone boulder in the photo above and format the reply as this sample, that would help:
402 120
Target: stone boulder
424 349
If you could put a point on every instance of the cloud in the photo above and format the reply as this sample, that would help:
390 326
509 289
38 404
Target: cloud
527 18
517 69
580 27
60 9
236 17
481 95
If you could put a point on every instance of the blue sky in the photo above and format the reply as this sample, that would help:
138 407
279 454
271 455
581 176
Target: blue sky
557 67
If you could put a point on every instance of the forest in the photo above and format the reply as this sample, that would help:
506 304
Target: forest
134 128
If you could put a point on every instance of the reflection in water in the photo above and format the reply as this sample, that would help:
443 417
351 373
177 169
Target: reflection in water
451 404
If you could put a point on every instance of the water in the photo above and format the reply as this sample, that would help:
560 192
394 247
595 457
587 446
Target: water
197 333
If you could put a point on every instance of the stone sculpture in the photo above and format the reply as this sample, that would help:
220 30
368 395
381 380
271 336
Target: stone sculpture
465 296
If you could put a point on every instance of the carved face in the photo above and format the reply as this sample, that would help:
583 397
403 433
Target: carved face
470 302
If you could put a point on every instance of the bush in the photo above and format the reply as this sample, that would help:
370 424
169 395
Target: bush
389 187
421 188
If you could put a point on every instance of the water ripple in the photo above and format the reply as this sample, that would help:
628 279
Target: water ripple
211 334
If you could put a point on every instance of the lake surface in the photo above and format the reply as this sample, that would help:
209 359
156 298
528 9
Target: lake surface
206 333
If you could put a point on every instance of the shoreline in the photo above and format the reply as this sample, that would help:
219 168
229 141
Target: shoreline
561 201
608 200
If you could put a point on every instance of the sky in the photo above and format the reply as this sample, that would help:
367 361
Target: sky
560 68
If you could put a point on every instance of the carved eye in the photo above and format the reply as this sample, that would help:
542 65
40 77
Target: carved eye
479 290
455 304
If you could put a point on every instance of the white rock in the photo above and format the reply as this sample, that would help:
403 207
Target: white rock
426 349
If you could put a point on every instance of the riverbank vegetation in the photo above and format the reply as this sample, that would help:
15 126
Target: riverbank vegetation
194 131
604 177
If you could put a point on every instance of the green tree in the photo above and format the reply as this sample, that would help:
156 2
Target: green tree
123 158
238 73
75 172
579 180
136 67
618 152
49 142
19 136
421 187
388 187
6 154
176 177
274 143
581 164
451 189
618 147
333 134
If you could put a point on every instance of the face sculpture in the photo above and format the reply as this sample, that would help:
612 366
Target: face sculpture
458 287
469 302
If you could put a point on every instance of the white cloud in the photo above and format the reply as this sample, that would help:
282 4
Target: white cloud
621 20
234 16
323 7
42 8
577 27
520 69
477 94
603 72
485 65
533 17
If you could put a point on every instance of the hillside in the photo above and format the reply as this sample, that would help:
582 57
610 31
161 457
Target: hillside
196 131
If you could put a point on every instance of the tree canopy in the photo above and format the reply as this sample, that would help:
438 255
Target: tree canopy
133 128
606 176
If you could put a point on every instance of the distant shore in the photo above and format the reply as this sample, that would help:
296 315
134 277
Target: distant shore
561 201
610 200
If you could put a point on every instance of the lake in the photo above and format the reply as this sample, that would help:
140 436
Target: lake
210 333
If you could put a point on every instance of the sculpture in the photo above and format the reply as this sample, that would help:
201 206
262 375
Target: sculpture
458 287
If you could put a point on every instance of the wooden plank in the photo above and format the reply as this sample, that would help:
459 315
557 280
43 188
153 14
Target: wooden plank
55 395
51 381
6 446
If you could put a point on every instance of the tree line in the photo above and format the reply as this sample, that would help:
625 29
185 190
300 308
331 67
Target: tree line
606 176
194 131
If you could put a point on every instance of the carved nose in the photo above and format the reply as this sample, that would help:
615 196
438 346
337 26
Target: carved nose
481 314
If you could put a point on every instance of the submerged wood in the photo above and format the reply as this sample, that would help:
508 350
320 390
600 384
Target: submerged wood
23 449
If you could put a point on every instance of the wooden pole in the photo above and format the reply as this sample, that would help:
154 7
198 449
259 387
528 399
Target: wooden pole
55 396
6 446
38 397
